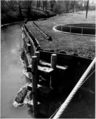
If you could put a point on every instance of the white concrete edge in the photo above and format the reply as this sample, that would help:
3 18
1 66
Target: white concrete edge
54 28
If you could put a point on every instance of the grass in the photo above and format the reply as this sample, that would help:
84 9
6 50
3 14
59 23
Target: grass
81 45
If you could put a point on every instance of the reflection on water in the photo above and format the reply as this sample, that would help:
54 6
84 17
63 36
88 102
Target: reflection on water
11 69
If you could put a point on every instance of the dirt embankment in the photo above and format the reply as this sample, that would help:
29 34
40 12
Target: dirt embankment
81 45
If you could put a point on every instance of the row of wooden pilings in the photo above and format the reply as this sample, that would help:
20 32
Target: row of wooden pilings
35 61
34 70
31 60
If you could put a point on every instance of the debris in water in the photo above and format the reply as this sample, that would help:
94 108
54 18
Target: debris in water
27 74
22 96
28 99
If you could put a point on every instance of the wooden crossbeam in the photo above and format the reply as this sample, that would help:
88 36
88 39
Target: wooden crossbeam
57 66
45 69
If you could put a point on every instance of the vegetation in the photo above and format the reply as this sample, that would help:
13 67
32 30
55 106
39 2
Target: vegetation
16 10
71 44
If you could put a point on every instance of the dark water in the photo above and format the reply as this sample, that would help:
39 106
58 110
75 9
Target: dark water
11 72
78 28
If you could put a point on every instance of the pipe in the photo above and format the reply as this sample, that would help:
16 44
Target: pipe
73 92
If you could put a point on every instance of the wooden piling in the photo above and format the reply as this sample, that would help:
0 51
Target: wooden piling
53 60
53 65
37 53
34 84
30 48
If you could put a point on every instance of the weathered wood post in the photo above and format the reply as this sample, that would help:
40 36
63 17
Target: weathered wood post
23 53
34 83
53 65
29 48
53 60
37 53
24 58
29 54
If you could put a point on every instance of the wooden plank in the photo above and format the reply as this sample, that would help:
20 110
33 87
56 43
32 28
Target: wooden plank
45 69
57 66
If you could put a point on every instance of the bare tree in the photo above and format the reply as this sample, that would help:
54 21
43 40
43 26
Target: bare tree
38 3
3 6
20 10
73 5
67 3
12 4
28 5
44 4
52 4
87 7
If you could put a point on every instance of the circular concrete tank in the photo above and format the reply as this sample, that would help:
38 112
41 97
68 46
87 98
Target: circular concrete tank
87 29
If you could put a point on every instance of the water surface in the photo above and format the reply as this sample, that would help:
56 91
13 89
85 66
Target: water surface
11 72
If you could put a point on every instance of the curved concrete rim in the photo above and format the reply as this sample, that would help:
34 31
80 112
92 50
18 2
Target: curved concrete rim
54 28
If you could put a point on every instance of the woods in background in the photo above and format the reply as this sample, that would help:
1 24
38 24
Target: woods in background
14 10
